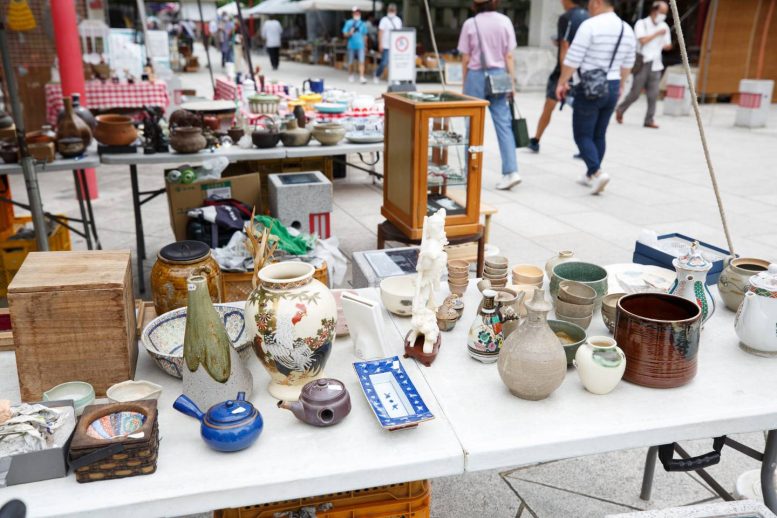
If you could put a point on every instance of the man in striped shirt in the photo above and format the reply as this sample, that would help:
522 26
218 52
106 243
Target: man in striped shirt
603 42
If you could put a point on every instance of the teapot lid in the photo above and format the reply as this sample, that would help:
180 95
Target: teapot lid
766 280
694 260
323 390
231 411
184 251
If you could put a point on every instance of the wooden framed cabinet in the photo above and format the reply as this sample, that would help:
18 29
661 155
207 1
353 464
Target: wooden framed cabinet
434 147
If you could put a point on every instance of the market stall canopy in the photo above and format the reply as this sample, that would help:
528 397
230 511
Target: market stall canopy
189 10
274 7
338 5
229 9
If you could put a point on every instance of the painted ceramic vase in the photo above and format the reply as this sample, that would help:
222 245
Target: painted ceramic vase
564 256
756 320
600 363
290 320
177 262
485 337
212 370
70 125
691 282
735 277
231 425
509 303
533 363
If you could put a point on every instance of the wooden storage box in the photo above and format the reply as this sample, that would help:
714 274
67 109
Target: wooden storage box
73 316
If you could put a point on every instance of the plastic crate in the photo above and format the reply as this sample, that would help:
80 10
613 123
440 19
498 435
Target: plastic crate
406 500
13 252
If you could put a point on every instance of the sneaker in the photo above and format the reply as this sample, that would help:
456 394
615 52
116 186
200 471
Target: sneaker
363 80
376 80
351 78
600 181
534 145
585 180
508 181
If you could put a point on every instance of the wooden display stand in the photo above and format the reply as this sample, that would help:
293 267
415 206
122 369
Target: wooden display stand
411 151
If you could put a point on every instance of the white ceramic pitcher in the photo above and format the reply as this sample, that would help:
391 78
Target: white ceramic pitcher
756 320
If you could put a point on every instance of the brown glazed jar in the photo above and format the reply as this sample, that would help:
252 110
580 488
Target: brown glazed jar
70 125
174 264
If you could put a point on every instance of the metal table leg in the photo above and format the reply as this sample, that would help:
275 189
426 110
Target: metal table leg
650 470
92 222
140 240
82 208
768 465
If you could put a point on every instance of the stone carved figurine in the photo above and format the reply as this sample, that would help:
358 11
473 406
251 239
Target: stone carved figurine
154 127
423 340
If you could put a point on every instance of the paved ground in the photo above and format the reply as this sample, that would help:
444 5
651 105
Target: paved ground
659 181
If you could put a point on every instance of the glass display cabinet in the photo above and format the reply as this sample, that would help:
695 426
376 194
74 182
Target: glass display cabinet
433 159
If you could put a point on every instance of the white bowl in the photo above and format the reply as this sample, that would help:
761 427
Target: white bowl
397 294
129 390
80 392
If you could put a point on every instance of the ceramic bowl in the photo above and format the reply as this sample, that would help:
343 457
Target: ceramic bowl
458 266
163 337
498 283
575 333
590 274
127 391
528 274
329 134
583 322
520 281
497 261
495 272
576 293
457 289
610 308
484 284
397 293
573 310
80 392
446 325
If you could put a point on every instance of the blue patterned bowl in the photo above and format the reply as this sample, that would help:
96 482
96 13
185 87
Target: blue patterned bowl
163 337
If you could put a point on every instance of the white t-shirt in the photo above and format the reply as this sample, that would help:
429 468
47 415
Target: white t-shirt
271 33
386 25
595 42
652 50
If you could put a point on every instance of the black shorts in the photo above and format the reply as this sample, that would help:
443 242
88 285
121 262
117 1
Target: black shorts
550 89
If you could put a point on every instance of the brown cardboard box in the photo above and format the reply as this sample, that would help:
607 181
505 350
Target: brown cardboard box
183 197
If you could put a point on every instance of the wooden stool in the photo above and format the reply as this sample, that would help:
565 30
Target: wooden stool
388 232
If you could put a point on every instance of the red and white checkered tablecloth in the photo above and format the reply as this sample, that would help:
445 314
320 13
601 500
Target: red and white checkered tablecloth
228 90
108 95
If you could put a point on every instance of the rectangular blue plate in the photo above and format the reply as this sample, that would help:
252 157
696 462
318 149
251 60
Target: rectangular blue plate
391 394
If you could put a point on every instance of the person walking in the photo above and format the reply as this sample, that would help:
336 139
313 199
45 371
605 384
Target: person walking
390 22
654 38
226 33
568 23
356 32
602 53
486 44
271 34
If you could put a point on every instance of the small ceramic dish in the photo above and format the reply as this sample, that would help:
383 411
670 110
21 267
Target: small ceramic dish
497 261
576 293
397 293
458 266
127 391
163 337
610 302
116 426
80 392
574 310
570 335
582 322
528 274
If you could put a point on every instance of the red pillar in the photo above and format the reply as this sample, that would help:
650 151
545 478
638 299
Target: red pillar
71 65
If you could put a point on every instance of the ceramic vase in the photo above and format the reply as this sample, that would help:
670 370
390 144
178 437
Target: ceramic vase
80 111
564 256
212 370
532 362
735 277
600 363
290 319
174 265
485 337
691 282
187 140
70 125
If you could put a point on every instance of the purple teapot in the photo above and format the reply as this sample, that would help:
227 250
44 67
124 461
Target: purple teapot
323 402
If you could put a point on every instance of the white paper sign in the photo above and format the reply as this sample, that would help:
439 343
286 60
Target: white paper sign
401 55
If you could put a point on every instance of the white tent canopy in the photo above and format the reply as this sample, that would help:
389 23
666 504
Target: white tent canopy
274 7
338 5
229 9
189 11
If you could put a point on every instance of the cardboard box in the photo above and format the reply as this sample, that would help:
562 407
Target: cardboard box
183 197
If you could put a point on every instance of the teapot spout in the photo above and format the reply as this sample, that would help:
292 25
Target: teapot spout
186 406
295 407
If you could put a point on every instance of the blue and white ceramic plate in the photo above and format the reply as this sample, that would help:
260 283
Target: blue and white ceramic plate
391 394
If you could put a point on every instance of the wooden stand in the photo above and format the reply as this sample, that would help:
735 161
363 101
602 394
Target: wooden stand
416 351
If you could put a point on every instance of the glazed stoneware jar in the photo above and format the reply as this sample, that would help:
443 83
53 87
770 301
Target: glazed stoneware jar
323 402
290 320
564 256
756 320
734 278
691 282
600 363
175 263
232 425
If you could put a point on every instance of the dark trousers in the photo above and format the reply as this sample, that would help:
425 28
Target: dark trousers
590 119
275 56
649 81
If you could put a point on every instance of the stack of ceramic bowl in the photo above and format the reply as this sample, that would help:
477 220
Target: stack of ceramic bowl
609 309
449 312
458 276
528 275
575 303
496 271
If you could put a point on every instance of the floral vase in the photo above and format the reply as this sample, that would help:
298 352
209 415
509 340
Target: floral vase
212 370
290 318
600 363
485 337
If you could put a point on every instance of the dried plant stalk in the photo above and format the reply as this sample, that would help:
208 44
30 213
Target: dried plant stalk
262 247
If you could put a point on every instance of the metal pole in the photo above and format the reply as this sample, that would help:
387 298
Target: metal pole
207 50
28 165
143 21
245 41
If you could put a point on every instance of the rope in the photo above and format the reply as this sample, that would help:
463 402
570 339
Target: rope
434 44
697 112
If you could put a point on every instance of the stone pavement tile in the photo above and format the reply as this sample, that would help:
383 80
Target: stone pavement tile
587 248
628 209
548 203
770 198
473 494
604 226
543 501
527 222
616 477
767 239
517 249
358 199
753 224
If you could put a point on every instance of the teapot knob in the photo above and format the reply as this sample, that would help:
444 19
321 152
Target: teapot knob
322 383
230 404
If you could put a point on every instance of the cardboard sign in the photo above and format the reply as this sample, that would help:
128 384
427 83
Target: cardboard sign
401 65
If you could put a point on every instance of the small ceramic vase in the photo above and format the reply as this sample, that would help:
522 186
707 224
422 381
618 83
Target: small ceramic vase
756 319
294 136
563 256
485 336
187 140
175 263
322 402
533 363
70 125
734 278
600 363
691 282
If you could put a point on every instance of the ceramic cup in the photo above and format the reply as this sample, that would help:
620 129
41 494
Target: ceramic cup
590 274
457 289
527 274
495 272
458 266
573 310
497 261
576 293
609 309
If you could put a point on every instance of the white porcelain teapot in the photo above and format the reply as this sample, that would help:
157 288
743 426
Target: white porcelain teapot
756 320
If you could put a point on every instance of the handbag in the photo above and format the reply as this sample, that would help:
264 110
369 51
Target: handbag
499 83
593 83
520 127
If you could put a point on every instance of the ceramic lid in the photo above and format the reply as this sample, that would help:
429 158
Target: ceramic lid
766 280
185 251
230 412
324 390
693 260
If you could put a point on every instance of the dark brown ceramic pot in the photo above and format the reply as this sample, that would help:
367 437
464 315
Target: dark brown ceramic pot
115 130
660 335
81 111
266 135
9 153
175 263
71 147
235 133
70 125
187 140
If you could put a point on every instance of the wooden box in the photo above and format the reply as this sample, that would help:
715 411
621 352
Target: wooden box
73 316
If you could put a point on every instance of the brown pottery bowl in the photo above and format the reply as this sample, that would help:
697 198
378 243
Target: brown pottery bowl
659 334
115 130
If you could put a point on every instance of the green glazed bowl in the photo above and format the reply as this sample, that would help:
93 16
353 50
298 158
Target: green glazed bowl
575 332
589 274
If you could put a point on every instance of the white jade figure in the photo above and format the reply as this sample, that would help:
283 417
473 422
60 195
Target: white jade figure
432 260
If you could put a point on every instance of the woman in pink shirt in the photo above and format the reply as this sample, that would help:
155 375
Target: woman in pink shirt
497 35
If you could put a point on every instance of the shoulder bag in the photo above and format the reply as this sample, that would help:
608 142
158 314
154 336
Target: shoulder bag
593 83
499 83
520 128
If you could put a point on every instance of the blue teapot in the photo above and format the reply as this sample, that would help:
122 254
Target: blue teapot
232 425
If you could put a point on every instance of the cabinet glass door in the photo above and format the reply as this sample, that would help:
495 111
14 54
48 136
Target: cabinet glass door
447 165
